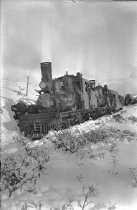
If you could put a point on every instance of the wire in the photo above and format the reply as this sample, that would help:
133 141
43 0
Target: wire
15 81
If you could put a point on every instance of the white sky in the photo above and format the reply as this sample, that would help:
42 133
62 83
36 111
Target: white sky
96 38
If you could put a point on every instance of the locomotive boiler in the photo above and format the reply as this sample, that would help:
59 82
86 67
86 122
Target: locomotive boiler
64 101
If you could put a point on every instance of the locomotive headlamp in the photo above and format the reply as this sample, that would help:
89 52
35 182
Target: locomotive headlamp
42 85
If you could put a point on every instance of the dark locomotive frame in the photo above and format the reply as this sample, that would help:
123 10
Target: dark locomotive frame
63 102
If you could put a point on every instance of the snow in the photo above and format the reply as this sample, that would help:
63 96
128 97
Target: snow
108 171
10 96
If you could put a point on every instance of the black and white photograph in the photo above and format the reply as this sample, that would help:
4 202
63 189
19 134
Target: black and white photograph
68 104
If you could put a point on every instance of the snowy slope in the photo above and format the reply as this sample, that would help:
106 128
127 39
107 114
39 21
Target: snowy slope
108 171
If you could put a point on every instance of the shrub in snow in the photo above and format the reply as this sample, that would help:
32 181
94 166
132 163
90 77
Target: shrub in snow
114 163
72 142
118 118
65 206
133 119
88 193
26 205
68 141
23 168
96 135
112 206
128 133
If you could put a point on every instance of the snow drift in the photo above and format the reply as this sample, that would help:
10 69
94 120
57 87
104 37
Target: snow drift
110 165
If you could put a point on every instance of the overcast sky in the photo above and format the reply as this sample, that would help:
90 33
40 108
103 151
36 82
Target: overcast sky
99 39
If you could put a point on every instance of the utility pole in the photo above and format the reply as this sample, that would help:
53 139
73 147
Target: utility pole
27 86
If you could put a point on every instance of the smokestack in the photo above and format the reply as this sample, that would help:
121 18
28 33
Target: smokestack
46 73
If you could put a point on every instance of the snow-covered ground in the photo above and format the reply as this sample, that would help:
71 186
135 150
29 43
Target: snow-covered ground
67 173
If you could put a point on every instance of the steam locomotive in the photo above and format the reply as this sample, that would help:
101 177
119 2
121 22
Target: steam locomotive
63 102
